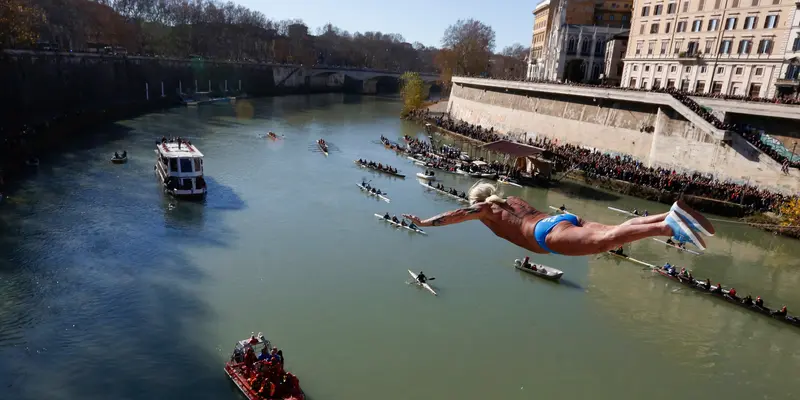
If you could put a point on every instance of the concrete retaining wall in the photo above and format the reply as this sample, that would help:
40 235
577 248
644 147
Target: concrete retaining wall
617 126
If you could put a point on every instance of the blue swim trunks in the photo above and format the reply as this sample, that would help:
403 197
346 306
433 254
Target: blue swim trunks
543 228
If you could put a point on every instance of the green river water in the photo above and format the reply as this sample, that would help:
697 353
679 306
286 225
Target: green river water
110 290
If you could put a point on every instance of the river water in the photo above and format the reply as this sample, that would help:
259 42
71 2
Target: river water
109 289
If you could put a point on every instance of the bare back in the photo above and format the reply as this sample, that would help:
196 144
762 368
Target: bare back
514 221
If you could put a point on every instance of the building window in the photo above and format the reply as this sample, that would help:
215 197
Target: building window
657 9
653 28
599 17
673 69
646 68
677 48
735 4
700 88
720 70
725 46
776 2
687 69
755 3
691 48
712 24
659 68
738 70
639 48
645 11
744 46
650 48
750 22
759 71
697 25
765 46
685 6
730 24
635 68
585 47
571 46
703 69
667 26
771 22
664 47
632 83
641 30
644 84
671 8
681 27
670 83
716 87
656 83
624 18
755 90
700 5
796 44
716 4
611 17
709 46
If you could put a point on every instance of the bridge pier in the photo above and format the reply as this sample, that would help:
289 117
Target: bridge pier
369 86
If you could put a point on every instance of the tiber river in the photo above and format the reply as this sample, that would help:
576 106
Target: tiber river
110 290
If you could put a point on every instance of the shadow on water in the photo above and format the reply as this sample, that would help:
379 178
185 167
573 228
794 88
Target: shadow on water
97 283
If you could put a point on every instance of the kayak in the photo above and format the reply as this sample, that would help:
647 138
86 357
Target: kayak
426 177
425 285
506 182
631 259
369 192
541 271
461 199
678 247
623 211
696 285
560 210
420 231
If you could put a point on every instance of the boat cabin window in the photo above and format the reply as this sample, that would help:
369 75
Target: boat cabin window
186 165
173 164
198 164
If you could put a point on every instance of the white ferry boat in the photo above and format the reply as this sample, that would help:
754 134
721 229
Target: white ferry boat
179 167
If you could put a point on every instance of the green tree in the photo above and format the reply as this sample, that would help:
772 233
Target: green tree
19 21
413 91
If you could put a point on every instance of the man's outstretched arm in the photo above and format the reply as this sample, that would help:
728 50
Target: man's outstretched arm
451 217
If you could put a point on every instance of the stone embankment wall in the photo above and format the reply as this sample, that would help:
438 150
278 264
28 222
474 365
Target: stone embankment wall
656 134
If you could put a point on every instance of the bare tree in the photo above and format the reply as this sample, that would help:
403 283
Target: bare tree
470 44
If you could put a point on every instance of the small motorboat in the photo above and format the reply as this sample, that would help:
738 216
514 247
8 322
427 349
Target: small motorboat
426 175
541 271
120 159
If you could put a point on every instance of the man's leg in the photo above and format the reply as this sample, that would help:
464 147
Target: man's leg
571 240
646 220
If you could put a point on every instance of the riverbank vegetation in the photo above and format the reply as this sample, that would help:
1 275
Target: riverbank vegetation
413 91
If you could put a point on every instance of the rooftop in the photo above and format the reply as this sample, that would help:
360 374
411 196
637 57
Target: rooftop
178 150
541 5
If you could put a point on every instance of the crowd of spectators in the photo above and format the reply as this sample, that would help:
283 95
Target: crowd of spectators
628 169
751 134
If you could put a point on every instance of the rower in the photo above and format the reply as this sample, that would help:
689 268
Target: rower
525 262
732 293
635 212
563 208
386 216
670 242
645 213
403 223
759 301
707 284
394 219
124 153
780 313
412 226
619 251
421 278
667 266
116 155
718 289
748 301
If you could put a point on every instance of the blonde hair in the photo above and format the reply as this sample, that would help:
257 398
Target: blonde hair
483 191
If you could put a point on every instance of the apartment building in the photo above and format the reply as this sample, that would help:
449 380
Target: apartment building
569 37
615 52
732 47
788 82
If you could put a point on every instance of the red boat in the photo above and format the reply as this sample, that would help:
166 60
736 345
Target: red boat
258 379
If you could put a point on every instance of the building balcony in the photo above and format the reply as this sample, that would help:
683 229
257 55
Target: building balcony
787 82
689 57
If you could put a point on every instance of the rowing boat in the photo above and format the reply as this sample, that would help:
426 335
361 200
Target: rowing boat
426 177
631 259
560 210
696 285
507 182
461 199
420 231
369 192
678 247
621 211
418 283
323 148
379 170
541 271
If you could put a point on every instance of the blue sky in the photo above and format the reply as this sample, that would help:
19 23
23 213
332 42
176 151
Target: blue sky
417 20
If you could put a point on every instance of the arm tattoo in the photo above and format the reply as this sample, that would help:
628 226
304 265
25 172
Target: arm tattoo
456 216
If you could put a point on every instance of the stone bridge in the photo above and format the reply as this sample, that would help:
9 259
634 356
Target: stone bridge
369 78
